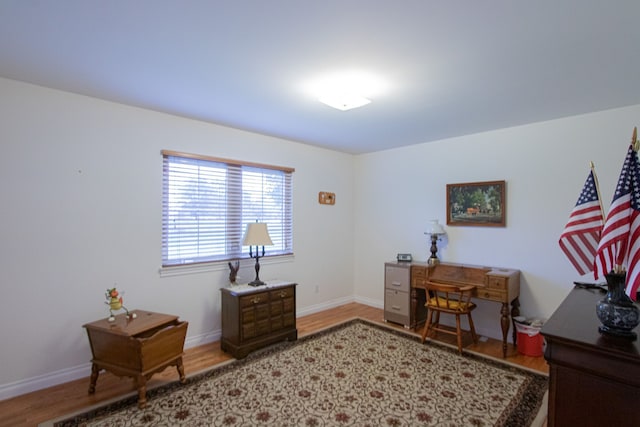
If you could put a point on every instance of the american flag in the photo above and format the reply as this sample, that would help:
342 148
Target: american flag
579 240
622 227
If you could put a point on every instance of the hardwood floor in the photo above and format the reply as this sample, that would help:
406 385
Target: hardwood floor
39 406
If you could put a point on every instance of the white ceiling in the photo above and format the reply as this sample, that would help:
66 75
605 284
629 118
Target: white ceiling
452 67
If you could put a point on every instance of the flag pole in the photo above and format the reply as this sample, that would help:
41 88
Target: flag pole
595 179
634 139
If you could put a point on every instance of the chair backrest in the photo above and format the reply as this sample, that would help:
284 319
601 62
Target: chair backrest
449 298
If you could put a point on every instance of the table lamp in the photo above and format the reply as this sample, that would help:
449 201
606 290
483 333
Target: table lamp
435 230
257 235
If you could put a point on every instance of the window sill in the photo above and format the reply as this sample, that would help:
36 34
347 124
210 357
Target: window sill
181 270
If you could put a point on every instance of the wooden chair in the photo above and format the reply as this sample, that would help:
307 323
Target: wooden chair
449 299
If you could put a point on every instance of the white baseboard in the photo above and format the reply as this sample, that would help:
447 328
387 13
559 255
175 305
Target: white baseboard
17 388
324 306
40 382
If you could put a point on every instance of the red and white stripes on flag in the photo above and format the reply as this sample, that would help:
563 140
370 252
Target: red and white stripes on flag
579 240
622 228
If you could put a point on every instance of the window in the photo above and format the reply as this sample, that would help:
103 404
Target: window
208 202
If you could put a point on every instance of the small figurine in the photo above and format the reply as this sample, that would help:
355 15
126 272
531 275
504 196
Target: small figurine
114 301
234 272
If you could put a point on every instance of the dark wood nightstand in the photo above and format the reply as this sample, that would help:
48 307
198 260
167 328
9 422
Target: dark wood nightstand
254 317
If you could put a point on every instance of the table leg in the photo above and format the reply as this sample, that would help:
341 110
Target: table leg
515 312
180 368
94 378
504 322
413 301
142 391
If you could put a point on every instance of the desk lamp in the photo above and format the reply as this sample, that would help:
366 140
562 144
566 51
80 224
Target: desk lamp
257 235
435 230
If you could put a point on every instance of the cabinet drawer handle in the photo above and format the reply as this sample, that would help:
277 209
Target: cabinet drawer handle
395 307
283 294
256 300
487 294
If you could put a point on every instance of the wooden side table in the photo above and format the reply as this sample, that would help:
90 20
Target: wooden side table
254 317
136 348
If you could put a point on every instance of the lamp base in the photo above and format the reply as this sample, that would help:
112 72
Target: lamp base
257 282
433 261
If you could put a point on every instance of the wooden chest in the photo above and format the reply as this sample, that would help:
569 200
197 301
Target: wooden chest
136 348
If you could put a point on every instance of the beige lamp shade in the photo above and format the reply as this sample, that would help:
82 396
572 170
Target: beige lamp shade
257 234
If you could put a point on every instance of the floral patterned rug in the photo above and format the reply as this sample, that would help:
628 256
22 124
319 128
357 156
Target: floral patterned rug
354 374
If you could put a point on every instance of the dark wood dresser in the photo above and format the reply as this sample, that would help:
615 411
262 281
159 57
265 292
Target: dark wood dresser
254 317
594 379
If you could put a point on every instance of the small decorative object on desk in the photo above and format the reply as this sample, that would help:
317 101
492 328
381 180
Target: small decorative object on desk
233 273
617 312
114 301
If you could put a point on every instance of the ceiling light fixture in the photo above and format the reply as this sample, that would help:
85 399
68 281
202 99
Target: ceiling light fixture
344 101
346 90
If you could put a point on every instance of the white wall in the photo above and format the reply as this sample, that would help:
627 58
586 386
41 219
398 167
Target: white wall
544 165
81 210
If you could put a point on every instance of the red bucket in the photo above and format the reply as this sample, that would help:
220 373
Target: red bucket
530 340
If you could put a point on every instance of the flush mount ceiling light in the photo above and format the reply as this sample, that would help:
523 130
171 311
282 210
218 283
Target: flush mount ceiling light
344 101
345 90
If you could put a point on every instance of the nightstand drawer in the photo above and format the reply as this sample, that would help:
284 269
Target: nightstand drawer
282 293
254 299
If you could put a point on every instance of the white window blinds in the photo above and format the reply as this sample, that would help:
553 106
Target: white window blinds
207 203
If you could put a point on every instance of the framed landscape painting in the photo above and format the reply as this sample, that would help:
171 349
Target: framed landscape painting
476 203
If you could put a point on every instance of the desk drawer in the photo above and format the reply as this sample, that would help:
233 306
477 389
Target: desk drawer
492 294
495 282
418 272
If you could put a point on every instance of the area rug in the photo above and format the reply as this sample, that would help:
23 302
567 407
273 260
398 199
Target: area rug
354 374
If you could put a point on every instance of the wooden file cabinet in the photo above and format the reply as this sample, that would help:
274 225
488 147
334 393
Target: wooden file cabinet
254 317
402 303
136 348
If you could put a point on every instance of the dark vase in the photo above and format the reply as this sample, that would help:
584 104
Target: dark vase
618 314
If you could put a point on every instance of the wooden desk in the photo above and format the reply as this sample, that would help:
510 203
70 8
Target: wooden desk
501 285
254 317
594 379
137 347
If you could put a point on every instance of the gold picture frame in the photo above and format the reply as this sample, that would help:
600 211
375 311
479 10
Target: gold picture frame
480 204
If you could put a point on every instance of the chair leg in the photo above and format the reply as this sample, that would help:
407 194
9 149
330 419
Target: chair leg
459 330
473 330
425 331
